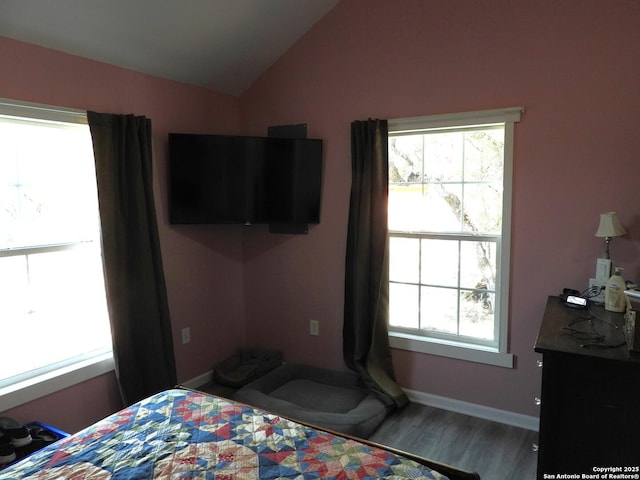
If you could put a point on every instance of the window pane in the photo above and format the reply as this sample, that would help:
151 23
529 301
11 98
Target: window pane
440 262
408 208
439 309
478 265
64 314
68 284
425 208
445 208
483 208
45 171
403 305
405 159
484 155
477 314
443 156
404 260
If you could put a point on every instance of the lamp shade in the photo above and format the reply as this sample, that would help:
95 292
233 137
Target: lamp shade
610 226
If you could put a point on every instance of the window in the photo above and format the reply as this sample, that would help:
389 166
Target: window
449 211
53 310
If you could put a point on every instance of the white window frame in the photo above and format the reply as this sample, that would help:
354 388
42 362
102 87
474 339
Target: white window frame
83 368
498 356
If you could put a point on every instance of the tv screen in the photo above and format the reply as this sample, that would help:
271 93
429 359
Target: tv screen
235 179
194 158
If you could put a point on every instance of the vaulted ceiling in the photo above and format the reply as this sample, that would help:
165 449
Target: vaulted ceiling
224 45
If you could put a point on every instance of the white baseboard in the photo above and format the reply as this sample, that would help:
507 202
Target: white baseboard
480 411
200 380
445 403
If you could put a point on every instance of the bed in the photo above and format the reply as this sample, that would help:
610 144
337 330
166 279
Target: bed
185 434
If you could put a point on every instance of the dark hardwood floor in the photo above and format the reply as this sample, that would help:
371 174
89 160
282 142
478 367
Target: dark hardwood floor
494 450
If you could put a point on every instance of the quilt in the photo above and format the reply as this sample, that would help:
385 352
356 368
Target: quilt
181 434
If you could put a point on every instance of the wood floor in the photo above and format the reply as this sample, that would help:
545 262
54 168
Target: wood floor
494 450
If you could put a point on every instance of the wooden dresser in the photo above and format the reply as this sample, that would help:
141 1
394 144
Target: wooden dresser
590 399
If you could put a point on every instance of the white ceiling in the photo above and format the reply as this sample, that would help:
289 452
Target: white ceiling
224 45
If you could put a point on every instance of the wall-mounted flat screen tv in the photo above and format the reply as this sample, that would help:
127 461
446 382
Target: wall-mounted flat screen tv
241 179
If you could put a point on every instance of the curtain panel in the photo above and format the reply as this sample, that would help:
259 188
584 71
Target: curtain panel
134 276
366 316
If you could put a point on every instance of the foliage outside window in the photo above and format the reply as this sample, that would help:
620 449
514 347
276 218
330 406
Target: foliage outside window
53 311
449 208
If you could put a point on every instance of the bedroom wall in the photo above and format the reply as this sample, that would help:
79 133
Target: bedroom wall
573 64
203 265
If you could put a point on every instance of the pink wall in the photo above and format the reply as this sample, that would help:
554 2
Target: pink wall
574 65
203 265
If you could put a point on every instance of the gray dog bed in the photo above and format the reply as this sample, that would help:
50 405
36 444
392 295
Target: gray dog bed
330 399
245 366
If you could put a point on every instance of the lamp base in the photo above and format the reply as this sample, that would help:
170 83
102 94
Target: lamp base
603 269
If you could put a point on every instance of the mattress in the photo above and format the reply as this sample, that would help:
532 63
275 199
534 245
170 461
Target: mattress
182 434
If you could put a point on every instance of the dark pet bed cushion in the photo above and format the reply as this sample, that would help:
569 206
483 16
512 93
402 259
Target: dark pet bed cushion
326 398
245 366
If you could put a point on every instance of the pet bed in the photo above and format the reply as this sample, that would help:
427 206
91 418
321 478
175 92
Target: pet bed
329 399
245 366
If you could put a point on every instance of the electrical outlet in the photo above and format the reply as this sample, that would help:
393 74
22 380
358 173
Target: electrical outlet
186 335
595 283
314 328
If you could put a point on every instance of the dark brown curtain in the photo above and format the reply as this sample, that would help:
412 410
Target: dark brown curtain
136 291
366 316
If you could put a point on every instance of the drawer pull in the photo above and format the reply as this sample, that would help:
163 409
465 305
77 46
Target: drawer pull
539 363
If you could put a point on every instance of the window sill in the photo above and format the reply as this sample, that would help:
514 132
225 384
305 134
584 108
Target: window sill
457 350
28 390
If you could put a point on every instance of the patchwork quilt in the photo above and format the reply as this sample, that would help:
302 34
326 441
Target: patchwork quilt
180 434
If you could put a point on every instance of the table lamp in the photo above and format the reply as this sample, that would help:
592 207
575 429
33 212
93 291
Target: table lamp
609 227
